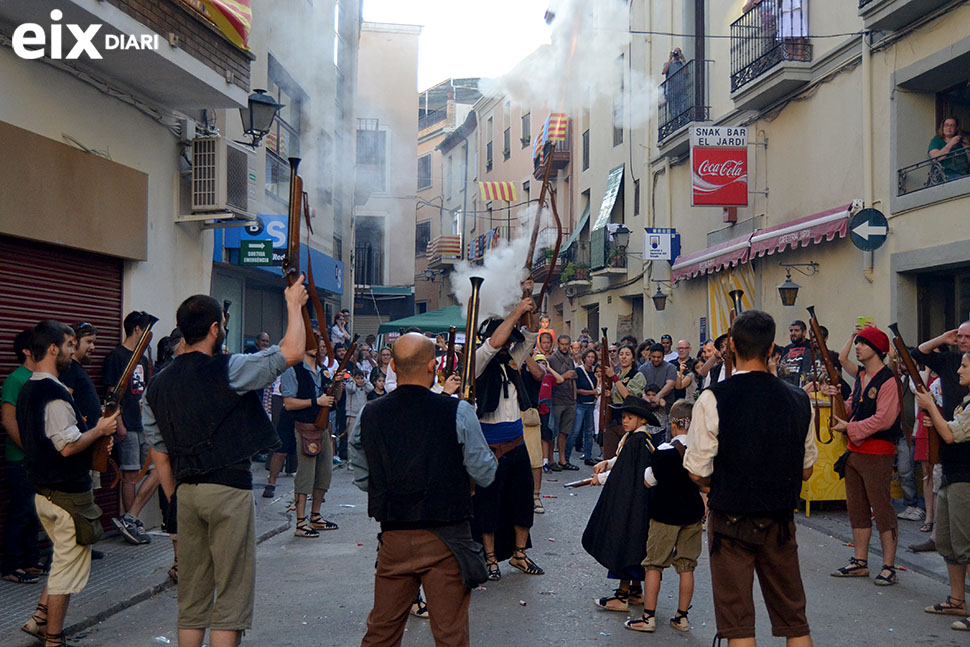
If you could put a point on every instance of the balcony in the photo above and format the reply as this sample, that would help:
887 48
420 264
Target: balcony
202 70
770 53
560 160
368 265
891 15
444 251
431 118
683 100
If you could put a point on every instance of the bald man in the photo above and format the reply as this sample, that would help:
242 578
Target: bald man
413 452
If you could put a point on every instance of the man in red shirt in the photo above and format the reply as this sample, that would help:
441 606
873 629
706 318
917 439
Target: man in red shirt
873 428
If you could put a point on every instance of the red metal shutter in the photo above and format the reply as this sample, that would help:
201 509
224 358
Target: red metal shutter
40 281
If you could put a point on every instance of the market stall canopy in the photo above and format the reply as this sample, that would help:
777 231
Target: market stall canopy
436 321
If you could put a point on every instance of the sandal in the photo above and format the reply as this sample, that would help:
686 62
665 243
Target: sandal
537 504
20 576
319 523
926 527
647 622
419 609
37 625
56 640
619 601
526 565
680 621
303 529
494 573
636 595
886 580
40 568
963 624
951 606
855 568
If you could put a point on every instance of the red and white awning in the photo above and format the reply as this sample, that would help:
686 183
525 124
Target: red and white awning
802 232
727 254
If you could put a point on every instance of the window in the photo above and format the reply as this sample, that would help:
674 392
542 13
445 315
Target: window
422 236
488 146
526 129
586 150
449 176
525 189
424 171
618 107
507 149
372 155
326 167
636 197
283 139
421 307
456 222
338 248
369 251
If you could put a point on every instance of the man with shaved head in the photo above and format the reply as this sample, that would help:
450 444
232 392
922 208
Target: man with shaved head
413 452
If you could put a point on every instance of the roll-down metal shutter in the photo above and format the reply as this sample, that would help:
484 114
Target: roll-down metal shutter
40 281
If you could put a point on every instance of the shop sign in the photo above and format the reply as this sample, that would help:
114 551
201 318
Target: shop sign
719 166
256 252
661 244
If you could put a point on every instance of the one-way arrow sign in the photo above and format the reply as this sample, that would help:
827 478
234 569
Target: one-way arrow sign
868 229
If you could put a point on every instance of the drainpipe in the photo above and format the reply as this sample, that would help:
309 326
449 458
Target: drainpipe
867 163
670 208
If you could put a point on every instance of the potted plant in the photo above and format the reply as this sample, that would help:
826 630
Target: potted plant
582 273
568 273
548 252
617 257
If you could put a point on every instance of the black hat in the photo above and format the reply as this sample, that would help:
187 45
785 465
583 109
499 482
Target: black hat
490 325
638 407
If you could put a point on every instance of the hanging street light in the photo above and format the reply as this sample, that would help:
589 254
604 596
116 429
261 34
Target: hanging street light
258 117
788 291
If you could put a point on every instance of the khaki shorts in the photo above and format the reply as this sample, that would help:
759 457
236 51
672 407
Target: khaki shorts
71 564
314 472
533 443
667 545
953 523
217 555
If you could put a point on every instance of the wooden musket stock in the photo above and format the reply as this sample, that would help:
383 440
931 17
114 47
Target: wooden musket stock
606 388
291 262
838 403
323 416
471 323
312 291
907 360
450 352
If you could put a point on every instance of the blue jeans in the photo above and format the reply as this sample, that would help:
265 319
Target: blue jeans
584 421
907 475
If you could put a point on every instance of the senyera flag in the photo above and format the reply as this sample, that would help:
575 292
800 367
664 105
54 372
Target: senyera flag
234 18
498 191
552 130
719 177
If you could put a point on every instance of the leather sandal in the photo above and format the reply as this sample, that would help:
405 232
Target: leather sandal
37 625
680 621
855 568
56 640
951 606
20 576
886 580
619 601
303 529
419 608
537 503
525 564
636 595
647 622
319 523
963 624
494 573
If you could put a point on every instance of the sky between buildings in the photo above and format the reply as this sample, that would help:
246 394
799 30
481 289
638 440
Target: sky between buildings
466 38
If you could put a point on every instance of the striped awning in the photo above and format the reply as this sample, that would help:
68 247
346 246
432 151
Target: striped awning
498 191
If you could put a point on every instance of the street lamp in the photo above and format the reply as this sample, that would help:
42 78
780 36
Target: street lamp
659 298
258 117
788 291
429 274
621 236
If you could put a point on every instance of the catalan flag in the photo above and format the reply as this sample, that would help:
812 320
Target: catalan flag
552 130
234 18
498 191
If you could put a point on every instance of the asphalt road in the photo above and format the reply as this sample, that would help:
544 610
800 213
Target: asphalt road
318 592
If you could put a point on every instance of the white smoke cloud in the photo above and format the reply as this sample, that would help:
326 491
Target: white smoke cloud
503 271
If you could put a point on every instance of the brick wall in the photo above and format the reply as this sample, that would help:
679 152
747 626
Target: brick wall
195 35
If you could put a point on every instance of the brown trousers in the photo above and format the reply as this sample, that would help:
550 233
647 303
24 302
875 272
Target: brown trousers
406 560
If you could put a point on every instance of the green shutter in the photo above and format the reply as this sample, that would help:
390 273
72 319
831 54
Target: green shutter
597 249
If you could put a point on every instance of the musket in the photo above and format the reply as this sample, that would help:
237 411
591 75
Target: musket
312 291
323 416
112 401
471 323
291 262
606 388
903 352
226 303
735 311
580 483
838 403
450 352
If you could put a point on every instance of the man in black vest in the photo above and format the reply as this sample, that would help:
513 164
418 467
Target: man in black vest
751 441
413 452
57 444
205 413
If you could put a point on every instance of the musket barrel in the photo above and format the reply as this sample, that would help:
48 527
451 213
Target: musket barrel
471 323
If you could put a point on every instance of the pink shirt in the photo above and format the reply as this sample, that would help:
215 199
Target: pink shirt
887 409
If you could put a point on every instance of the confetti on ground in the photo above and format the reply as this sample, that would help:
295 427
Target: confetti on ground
347 505
551 539
603 633
549 496
360 543
522 602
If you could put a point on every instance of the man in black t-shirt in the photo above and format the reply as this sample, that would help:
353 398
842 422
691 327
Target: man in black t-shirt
795 357
131 445
77 380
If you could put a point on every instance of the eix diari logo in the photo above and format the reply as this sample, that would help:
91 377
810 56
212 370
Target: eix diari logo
30 41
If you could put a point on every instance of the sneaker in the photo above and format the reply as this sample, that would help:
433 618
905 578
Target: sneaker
129 529
269 491
337 461
546 468
569 467
912 513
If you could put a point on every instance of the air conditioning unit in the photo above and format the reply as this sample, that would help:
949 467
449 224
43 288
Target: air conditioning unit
223 177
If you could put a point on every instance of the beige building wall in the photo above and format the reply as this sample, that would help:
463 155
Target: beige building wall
387 93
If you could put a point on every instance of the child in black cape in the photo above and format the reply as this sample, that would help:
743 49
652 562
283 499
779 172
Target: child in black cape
616 534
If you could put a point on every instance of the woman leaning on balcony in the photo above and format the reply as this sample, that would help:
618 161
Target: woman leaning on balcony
948 140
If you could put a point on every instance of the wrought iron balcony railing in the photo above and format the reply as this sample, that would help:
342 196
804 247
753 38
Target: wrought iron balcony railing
771 32
431 118
932 172
683 98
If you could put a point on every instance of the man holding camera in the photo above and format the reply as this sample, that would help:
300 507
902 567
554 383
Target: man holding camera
682 363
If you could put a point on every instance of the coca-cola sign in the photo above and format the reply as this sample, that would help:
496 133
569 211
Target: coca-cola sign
719 177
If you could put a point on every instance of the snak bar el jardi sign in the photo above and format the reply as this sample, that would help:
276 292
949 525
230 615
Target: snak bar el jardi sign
719 166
